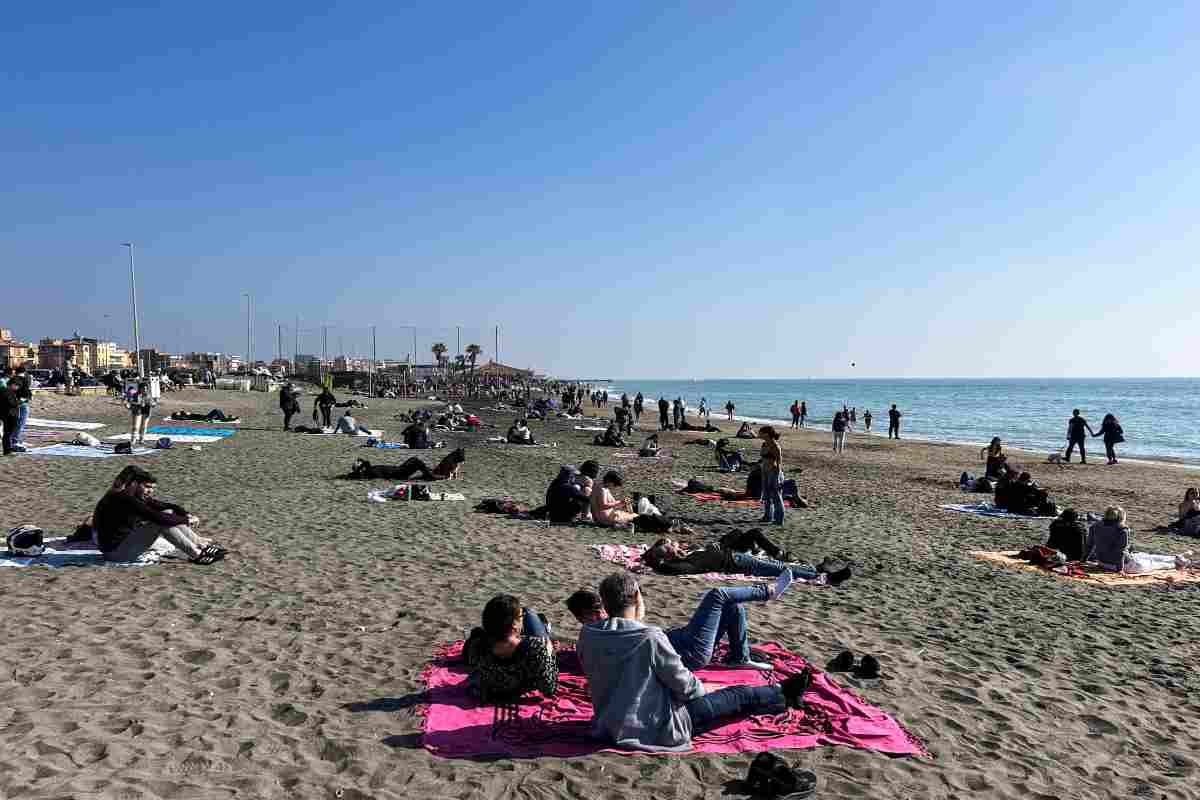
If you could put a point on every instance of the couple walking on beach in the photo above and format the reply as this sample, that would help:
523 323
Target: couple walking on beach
1110 429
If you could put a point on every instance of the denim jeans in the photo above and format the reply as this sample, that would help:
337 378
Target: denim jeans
719 614
772 496
731 462
22 418
839 441
532 626
769 567
715 708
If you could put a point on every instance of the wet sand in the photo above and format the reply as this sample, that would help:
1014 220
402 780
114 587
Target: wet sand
288 670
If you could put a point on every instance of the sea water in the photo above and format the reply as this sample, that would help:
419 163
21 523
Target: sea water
1160 416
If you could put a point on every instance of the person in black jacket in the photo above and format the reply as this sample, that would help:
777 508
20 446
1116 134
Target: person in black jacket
289 404
569 494
24 391
10 409
664 410
1075 427
324 403
1067 535
129 519
1113 435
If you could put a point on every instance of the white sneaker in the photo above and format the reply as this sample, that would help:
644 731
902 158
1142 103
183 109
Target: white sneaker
762 666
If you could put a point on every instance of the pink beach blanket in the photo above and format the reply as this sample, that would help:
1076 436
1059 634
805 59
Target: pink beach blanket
458 726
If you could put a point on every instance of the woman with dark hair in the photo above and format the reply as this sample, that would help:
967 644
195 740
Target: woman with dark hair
996 460
324 403
1113 435
511 653
772 474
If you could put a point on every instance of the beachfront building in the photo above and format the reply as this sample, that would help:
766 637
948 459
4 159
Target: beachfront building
494 369
119 358
14 353
56 354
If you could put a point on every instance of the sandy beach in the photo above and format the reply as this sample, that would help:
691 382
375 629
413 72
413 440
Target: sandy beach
289 669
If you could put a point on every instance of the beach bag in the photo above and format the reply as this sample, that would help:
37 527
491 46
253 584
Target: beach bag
124 448
164 443
1118 435
26 540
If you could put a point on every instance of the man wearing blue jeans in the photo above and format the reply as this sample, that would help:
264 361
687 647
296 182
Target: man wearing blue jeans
719 615
643 695
24 393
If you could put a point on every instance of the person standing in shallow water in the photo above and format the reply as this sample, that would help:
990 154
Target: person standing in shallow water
1075 436
867 420
803 412
729 407
894 422
795 409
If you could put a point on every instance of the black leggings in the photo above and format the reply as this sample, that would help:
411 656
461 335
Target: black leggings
1110 450
326 418
412 467
745 541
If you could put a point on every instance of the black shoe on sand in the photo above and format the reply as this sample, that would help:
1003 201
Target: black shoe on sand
843 662
795 686
868 668
839 577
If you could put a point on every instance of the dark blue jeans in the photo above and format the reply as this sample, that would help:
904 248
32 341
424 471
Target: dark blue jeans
769 567
772 496
532 626
719 614
732 702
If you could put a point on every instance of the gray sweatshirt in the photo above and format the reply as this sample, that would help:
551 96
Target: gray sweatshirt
639 686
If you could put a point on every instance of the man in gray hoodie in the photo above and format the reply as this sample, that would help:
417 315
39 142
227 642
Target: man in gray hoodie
643 697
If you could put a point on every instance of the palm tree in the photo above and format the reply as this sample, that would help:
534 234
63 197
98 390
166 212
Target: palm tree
439 350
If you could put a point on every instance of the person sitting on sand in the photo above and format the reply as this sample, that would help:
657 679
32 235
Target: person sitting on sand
417 437
719 615
128 520
1022 496
511 653
746 432
609 512
610 438
1190 506
728 460
643 696
649 447
1108 544
997 462
519 433
1068 535
348 424
569 495
730 556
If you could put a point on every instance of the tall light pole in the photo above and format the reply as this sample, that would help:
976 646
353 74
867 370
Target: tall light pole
249 345
137 337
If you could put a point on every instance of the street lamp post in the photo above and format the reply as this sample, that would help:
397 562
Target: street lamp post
137 338
249 314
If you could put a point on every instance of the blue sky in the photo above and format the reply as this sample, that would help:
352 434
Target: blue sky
627 189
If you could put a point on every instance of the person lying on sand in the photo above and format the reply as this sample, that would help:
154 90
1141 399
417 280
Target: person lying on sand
569 495
129 519
644 697
1023 496
519 433
708 427
449 468
215 415
731 555
510 654
609 512
719 615
746 432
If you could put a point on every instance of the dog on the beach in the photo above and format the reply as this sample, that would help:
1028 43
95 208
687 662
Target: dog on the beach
1055 458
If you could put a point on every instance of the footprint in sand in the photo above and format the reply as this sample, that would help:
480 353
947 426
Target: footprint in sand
1098 726
199 657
